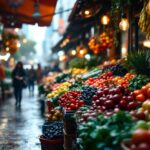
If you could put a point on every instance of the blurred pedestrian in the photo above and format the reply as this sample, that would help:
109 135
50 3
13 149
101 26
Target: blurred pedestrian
39 74
18 76
31 80
56 68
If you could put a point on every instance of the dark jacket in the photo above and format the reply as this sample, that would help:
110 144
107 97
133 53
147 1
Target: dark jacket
18 73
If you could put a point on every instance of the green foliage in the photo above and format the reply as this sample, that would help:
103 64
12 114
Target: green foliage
78 63
101 132
139 61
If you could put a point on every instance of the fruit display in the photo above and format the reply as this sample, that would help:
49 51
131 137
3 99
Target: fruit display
142 94
123 81
144 112
78 71
141 140
55 115
58 90
70 100
116 69
144 21
115 98
138 81
53 130
103 80
101 43
87 94
108 103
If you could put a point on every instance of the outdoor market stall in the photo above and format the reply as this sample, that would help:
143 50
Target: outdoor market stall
105 104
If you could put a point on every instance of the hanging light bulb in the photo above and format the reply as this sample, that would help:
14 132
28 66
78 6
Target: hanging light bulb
105 20
124 23
148 8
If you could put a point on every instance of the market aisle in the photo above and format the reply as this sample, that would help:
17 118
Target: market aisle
20 128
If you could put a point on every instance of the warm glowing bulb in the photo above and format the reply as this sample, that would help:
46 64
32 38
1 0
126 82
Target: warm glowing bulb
87 12
124 24
146 43
73 52
105 20
148 7
81 52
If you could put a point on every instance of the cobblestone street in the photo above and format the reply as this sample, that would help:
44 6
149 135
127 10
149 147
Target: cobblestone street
20 127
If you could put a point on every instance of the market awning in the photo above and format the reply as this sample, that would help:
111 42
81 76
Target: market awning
24 13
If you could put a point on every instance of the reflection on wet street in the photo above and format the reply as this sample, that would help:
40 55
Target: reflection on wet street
20 127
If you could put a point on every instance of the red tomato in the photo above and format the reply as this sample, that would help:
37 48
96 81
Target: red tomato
140 98
140 136
73 106
137 92
144 90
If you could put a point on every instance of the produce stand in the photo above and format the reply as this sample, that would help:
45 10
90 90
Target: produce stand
105 94
103 110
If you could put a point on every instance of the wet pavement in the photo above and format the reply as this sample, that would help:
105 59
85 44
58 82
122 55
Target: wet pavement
20 127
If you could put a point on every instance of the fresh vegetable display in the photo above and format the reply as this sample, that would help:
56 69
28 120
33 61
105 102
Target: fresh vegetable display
111 105
138 81
103 80
63 77
105 132
92 73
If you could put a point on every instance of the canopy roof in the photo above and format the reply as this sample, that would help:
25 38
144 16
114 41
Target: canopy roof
24 12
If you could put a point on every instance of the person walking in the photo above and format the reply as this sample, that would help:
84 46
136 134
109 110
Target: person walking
31 80
18 76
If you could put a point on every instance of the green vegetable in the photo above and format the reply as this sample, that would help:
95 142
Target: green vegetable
138 82
92 73
101 132
142 125
78 63
63 77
